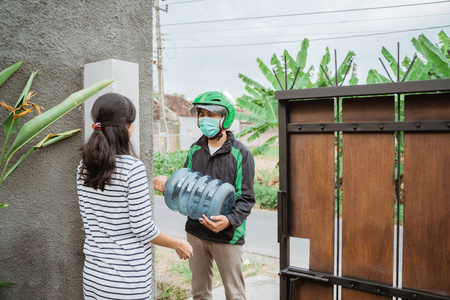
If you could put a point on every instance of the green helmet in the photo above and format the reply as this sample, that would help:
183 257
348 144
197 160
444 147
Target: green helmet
217 103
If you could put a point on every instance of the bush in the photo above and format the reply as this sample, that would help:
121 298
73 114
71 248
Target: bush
170 162
266 196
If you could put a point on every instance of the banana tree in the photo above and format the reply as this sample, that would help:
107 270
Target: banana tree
434 65
260 101
35 126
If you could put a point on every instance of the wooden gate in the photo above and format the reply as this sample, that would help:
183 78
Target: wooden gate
366 168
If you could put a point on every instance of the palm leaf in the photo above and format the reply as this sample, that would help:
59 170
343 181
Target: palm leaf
39 123
9 71
50 139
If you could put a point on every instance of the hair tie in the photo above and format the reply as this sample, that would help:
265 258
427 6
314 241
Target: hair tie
97 126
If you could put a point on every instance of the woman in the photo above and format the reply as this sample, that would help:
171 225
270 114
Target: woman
115 207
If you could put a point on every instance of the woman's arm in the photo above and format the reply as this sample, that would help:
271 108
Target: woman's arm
183 248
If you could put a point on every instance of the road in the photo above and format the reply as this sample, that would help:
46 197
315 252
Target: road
261 236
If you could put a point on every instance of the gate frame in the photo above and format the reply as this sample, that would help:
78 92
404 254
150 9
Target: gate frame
290 274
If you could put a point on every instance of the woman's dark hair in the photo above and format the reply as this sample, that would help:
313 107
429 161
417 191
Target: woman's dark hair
115 113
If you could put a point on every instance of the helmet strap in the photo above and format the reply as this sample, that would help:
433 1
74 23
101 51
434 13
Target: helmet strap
218 135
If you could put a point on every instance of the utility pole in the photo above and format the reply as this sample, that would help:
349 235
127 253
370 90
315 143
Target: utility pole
163 130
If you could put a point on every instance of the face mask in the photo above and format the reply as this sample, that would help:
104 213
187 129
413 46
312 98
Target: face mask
209 126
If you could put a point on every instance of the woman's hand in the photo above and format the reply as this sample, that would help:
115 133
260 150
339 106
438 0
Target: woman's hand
184 250
159 183
216 223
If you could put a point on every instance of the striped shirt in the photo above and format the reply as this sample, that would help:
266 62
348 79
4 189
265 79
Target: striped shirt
119 227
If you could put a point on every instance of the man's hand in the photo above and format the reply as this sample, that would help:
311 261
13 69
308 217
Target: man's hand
216 223
159 183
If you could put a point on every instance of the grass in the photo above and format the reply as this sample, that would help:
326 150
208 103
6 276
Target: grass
173 277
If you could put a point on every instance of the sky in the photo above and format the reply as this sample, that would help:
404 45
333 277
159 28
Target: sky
207 43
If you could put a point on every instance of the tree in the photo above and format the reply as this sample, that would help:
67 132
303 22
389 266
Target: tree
261 103
434 65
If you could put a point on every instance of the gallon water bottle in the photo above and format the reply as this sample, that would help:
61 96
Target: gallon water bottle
194 194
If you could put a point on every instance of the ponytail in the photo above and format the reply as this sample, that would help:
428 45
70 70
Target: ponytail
115 113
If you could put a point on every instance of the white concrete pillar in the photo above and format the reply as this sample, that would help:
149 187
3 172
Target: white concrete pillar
126 82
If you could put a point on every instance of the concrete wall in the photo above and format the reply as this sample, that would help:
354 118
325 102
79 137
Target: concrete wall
41 231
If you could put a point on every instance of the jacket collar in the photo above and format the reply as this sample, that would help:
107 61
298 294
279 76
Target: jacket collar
226 147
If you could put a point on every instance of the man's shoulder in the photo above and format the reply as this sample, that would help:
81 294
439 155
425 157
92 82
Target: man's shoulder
240 146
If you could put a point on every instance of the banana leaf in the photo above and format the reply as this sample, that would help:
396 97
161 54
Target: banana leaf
303 54
9 71
252 91
251 82
50 139
279 70
353 80
304 80
270 105
432 53
268 74
445 41
293 67
345 65
247 130
261 149
10 125
374 77
251 107
249 118
392 63
258 131
39 123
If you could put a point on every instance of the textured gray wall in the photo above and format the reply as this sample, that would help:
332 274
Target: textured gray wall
41 231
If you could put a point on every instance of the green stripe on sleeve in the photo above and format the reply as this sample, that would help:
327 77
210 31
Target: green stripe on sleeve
238 182
191 152
240 231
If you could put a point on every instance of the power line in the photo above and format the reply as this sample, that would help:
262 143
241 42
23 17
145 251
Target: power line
314 23
312 40
277 35
184 2
305 14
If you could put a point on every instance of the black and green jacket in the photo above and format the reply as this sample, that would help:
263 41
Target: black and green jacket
232 163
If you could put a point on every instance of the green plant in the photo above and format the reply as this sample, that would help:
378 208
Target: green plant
434 65
39 123
36 125
261 102
172 293
266 196
168 163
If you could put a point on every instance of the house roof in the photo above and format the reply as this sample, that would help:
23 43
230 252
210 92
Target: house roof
174 103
